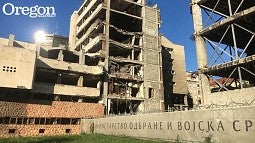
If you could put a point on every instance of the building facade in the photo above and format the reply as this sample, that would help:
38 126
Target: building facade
123 37
42 96
174 74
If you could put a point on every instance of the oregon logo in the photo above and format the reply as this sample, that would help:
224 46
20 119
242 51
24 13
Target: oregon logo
33 12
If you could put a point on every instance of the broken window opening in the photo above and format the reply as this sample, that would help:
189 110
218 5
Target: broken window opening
134 92
75 121
137 71
124 88
97 26
37 121
98 2
119 37
56 77
41 131
19 121
124 106
90 100
42 121
13 120
1 120
179 99
120 53
125 37
126 22
65 121
151 92
6 120
92 61
126 7
91 81
46 76
119 106
123 53
31 121
67 55
12 131
68 131
128 71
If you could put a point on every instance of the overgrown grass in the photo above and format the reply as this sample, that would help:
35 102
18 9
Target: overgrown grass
85 138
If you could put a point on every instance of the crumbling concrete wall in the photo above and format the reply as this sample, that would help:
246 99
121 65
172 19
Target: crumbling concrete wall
153 82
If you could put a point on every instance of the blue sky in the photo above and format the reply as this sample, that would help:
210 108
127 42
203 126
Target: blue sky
175 14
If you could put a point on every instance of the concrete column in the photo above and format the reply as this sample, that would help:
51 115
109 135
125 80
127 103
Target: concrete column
202 60
106 65
11 40
200 43
186 100
57 98
80 81
81 58
108 106
38 48
61 55
80 100
73 31
99 84
133 55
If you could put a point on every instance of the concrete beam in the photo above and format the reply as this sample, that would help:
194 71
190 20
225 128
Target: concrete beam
126 76
229 20
126 46
241 61
92 16
11 40
87 9
60 89
73 30
65 66
139 2
92 43
125 14
88 32
123 60
114 96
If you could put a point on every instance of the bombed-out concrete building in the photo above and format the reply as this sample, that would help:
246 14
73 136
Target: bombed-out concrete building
122 35
114 62
44 95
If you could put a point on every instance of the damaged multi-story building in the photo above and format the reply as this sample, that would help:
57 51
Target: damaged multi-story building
114 62
42 92
122 35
